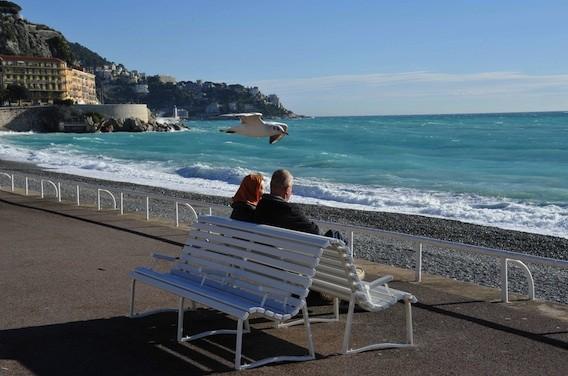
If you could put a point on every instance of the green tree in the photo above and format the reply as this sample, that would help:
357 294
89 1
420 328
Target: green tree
60 49
17 93
3 95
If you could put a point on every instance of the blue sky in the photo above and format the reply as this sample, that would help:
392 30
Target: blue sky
339 57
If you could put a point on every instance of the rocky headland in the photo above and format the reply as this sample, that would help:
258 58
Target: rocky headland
83 119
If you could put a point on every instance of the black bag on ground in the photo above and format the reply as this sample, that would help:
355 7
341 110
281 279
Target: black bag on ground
336 235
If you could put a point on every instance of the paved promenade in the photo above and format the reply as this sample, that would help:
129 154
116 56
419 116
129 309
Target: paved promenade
65 289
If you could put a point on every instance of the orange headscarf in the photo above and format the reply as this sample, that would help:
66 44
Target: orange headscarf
250 189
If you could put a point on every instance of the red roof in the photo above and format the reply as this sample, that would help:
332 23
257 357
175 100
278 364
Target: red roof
28 58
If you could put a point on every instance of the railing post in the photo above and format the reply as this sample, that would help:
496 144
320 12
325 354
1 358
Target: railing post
52 184
121 203
418 271
99 190
78 200
528 275
59 190
504 281
210 211
11 177
177 214
27 186
147 208
352 246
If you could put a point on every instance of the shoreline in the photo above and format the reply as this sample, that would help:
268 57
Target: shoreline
413 224
458 265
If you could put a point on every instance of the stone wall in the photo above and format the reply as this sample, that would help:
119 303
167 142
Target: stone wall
23 119
116 111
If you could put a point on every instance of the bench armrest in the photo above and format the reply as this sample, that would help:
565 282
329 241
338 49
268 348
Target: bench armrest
381 281
160 256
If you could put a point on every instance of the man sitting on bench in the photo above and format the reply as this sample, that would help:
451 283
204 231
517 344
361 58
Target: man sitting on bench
274 209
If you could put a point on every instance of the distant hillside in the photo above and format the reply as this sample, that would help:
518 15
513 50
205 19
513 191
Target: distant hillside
117 84
86 57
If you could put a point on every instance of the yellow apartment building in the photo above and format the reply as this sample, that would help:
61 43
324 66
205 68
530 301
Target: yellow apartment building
80 86
43 77
47 79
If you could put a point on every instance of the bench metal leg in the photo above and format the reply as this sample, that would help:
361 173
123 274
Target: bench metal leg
131 312
386 345
347 335
181 338
275 359
132 291
409 330
334 318
180 320
239 344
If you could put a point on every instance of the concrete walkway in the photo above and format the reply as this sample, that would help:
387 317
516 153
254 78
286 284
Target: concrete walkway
65 288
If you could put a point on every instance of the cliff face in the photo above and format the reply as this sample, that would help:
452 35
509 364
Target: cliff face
19 37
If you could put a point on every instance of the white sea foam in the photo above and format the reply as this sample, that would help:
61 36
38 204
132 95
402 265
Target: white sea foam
223 181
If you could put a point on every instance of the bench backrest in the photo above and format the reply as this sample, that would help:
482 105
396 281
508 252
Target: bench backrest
336 274
269 266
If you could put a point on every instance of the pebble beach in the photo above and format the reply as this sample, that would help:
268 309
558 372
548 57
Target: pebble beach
550 282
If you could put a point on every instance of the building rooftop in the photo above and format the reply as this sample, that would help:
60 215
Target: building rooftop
29 58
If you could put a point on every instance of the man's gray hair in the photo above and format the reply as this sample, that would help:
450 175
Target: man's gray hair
281 179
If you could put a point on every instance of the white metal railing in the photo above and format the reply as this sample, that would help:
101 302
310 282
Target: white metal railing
505 280
52 184
99 191
190 208
77 196
505 257
11 177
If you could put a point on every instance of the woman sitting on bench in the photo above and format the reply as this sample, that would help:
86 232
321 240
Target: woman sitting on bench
247 197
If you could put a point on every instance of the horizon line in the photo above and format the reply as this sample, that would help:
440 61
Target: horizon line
446 113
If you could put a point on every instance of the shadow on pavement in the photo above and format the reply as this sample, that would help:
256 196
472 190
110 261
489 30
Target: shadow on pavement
143 346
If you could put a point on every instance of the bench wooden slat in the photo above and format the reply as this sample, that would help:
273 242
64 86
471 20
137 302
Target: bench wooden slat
333 278
277 300
273 232
151 277
298 258
290 288
248 267
250 253
311 249
258 292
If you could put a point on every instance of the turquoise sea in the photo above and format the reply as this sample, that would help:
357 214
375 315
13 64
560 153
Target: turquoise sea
505 170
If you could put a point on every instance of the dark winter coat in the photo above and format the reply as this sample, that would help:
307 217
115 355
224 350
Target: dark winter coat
242 211
275 211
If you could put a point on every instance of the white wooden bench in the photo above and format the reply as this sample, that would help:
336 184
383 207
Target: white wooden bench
242 269
336 276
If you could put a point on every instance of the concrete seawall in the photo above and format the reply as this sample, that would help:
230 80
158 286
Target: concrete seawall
116 111
23 119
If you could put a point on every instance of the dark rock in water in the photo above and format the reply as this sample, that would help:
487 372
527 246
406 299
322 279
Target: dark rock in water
108 125
134 125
